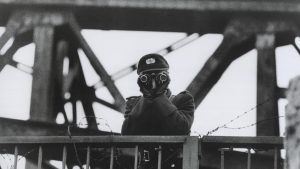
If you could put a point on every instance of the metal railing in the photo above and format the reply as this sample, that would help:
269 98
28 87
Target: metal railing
262 146
192 147
189 146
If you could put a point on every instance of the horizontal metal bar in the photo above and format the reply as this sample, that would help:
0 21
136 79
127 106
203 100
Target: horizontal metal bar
225 5
216 141
89 139
236 142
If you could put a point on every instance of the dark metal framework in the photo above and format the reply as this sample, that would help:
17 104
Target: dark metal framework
54 27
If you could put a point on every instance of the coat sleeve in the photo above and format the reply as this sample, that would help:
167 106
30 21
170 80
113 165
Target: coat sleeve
177 119
130 103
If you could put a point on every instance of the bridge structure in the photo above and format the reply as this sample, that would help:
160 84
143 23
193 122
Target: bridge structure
54 27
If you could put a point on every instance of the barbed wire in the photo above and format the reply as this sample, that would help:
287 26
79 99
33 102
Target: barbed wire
237 117
80 123
253 124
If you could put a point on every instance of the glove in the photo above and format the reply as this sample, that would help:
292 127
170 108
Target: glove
145 88
162 81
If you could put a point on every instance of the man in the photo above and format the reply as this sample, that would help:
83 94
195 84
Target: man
157 112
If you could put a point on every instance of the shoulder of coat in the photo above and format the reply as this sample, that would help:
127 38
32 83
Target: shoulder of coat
133 98
185 92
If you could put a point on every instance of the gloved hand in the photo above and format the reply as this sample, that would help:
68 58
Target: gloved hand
146 88
162 82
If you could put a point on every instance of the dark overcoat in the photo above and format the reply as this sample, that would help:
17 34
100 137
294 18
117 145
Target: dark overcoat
162 115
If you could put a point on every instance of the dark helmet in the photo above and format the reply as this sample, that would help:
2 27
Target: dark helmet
152 62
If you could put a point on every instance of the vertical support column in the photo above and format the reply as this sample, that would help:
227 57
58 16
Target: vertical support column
266 86
292 139
190 153
42 102
61 53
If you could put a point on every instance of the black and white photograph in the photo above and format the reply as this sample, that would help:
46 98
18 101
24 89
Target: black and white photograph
149 84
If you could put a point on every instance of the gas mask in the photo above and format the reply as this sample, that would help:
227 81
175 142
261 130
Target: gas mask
153 79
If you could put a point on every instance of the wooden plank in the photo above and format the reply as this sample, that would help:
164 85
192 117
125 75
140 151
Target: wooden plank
98 67
42 103
266 86
190 153
235 43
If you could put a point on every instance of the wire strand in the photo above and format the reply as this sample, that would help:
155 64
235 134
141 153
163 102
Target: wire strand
253 124
237 117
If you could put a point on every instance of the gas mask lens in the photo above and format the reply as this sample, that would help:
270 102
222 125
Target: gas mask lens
144 78
160 77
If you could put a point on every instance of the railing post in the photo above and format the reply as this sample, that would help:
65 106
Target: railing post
190 153
16 157
136 151
64 158
40 157
249 159
88 156
159 157
222 159
275 157
112 152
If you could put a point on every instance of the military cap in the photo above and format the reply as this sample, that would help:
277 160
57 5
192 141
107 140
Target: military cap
152 62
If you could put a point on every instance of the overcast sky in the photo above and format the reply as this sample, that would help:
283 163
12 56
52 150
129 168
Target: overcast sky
234 94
